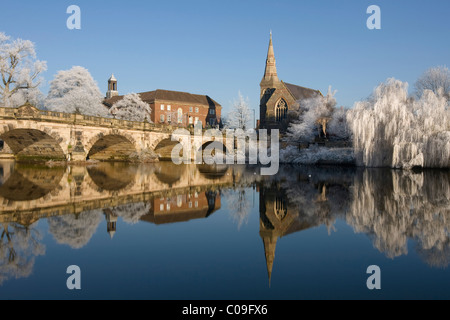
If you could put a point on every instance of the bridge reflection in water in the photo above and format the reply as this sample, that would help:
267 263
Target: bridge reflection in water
391 207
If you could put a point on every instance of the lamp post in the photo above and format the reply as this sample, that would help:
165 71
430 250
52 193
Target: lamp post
254 118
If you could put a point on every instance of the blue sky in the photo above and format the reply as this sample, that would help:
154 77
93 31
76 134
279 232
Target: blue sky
219 47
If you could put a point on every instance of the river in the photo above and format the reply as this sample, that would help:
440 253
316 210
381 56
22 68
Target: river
161 231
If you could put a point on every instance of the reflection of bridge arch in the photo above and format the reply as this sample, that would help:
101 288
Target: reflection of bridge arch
111 176
27 183
110 147
38 143
214 171
170 173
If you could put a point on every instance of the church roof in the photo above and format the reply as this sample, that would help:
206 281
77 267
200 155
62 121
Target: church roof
170 96
300 93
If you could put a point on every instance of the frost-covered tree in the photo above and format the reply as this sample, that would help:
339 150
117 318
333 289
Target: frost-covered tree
19 72
338 126
240 117
75 91
392 130
31 95
131 108
313 119
434 79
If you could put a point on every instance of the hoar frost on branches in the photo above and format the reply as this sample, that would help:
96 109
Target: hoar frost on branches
318 116
131 108
434 79
240 116
75 91
393 130
19 72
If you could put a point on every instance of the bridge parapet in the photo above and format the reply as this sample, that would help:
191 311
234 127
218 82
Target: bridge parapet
29 112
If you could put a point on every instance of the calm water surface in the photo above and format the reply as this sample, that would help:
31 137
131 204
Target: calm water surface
161 231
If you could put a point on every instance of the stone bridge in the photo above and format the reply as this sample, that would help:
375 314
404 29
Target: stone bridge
31 134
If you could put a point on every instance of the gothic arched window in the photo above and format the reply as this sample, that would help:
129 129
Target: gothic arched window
280 208
281 110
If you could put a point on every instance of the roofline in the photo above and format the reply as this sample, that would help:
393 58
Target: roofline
164 100
300 87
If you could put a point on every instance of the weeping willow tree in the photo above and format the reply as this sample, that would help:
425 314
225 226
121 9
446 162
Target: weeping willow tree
391 129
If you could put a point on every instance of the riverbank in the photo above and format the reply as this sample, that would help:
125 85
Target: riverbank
316 155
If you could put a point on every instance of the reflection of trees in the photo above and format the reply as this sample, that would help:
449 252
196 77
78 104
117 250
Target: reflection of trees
389 206
392 206
132 212
75 230
239 203
18 247
436 256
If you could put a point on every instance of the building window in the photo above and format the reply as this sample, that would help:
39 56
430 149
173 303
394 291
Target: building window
180 116
191 120
191 109
161 207
212 121
169 108
281 111
196 120
162 107
212 111
196 110
161 118
169 118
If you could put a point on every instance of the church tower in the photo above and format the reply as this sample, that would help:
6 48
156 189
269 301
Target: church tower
278 99
270 79
112 88
269 85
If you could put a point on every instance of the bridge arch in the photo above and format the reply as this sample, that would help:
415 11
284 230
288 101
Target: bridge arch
213 151
159 139
110 147
165 146
34 143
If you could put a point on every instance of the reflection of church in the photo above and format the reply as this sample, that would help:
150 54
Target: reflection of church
277 219
279 98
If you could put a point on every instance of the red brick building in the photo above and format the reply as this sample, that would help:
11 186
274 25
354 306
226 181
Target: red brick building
174 107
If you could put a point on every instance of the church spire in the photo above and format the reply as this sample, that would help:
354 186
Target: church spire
270 74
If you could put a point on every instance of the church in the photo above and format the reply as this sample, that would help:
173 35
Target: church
277 98
173 107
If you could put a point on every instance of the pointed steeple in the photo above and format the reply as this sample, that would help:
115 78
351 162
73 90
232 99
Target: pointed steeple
270 74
